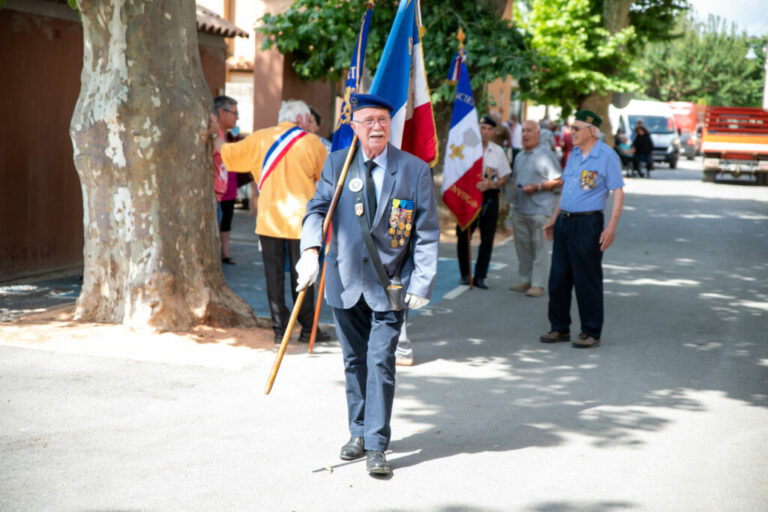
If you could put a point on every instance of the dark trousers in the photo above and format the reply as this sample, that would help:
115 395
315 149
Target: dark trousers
487 220
647 159
577 263
227 212
274 253
368 341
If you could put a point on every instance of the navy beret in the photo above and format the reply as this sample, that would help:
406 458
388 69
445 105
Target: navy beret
358 101
488 120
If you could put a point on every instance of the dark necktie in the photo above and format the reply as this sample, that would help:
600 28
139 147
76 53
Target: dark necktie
370 190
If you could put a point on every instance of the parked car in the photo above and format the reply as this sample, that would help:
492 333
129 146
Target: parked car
690 144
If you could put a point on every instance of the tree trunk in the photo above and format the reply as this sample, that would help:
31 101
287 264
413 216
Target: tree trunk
615 18
598 103
139 133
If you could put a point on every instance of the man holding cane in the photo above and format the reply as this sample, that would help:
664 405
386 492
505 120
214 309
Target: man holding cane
382 258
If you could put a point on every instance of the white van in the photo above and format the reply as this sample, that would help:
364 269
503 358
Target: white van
657 117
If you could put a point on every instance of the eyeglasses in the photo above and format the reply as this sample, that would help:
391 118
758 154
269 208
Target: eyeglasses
576 129
234 113
368 123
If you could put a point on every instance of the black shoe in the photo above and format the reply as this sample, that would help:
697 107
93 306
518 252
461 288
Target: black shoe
480 283
278 338
354 449
464 280
377 463
320 337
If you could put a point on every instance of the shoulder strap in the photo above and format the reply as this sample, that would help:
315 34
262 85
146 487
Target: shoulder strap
393 290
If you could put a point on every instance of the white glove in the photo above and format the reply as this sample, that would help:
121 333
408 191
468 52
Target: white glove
414 301
307 269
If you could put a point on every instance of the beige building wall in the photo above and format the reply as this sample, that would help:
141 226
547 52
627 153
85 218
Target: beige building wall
259 80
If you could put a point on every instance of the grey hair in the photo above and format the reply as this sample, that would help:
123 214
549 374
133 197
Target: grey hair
290 109
595 131
220 102
534 124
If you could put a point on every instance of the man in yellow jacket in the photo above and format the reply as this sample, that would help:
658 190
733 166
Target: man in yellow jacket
286 162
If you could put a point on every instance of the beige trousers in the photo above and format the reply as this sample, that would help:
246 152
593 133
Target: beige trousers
532 249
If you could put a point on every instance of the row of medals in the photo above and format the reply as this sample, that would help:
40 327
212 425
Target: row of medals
400 226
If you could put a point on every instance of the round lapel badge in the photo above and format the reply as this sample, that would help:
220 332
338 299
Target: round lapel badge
356 185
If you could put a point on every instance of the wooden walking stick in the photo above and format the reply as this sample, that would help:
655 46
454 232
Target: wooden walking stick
300 297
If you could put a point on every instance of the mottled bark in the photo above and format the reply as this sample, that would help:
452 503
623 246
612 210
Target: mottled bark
616 14
140 148
615 18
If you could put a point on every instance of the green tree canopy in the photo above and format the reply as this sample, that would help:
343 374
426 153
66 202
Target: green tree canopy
706 64
577 54
321 34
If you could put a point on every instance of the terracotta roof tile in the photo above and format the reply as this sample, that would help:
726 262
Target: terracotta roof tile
211 23
207 21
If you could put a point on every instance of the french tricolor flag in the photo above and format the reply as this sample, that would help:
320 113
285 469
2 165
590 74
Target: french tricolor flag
401 79
463 165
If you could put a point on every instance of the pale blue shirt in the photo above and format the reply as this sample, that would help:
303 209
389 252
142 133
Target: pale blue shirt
587 181
378 171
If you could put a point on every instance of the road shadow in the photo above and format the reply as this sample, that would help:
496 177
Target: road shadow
686 291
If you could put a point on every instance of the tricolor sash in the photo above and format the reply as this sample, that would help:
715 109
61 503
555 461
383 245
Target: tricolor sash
278 151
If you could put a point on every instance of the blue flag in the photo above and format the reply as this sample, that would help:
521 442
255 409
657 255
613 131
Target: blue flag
342 137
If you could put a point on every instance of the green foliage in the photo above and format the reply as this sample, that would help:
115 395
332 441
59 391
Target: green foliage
706 65
576 56
320 35
655 20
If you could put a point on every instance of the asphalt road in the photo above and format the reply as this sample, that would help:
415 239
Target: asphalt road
669 414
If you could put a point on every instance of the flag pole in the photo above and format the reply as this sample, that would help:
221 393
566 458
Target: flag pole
321 284
302 293
318 305
461 37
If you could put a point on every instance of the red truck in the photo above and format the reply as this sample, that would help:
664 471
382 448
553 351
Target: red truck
735 141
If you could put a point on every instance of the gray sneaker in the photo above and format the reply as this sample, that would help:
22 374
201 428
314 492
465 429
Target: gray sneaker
404 353
584 341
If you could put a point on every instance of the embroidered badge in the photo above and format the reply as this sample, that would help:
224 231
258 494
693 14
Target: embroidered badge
490 173
588 179
356 185
359 210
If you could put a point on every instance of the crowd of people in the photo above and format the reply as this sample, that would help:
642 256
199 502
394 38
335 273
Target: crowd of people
382 254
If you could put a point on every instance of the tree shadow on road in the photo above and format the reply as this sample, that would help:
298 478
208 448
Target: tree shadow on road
685 315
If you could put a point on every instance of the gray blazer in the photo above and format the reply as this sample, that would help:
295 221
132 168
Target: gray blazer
349 271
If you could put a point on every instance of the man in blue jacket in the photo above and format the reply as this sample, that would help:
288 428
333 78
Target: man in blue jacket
387 193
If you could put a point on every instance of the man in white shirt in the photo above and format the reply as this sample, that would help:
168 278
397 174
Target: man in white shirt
495 172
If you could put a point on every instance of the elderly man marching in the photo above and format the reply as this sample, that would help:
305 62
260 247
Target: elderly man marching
537 175
382 257
580 236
